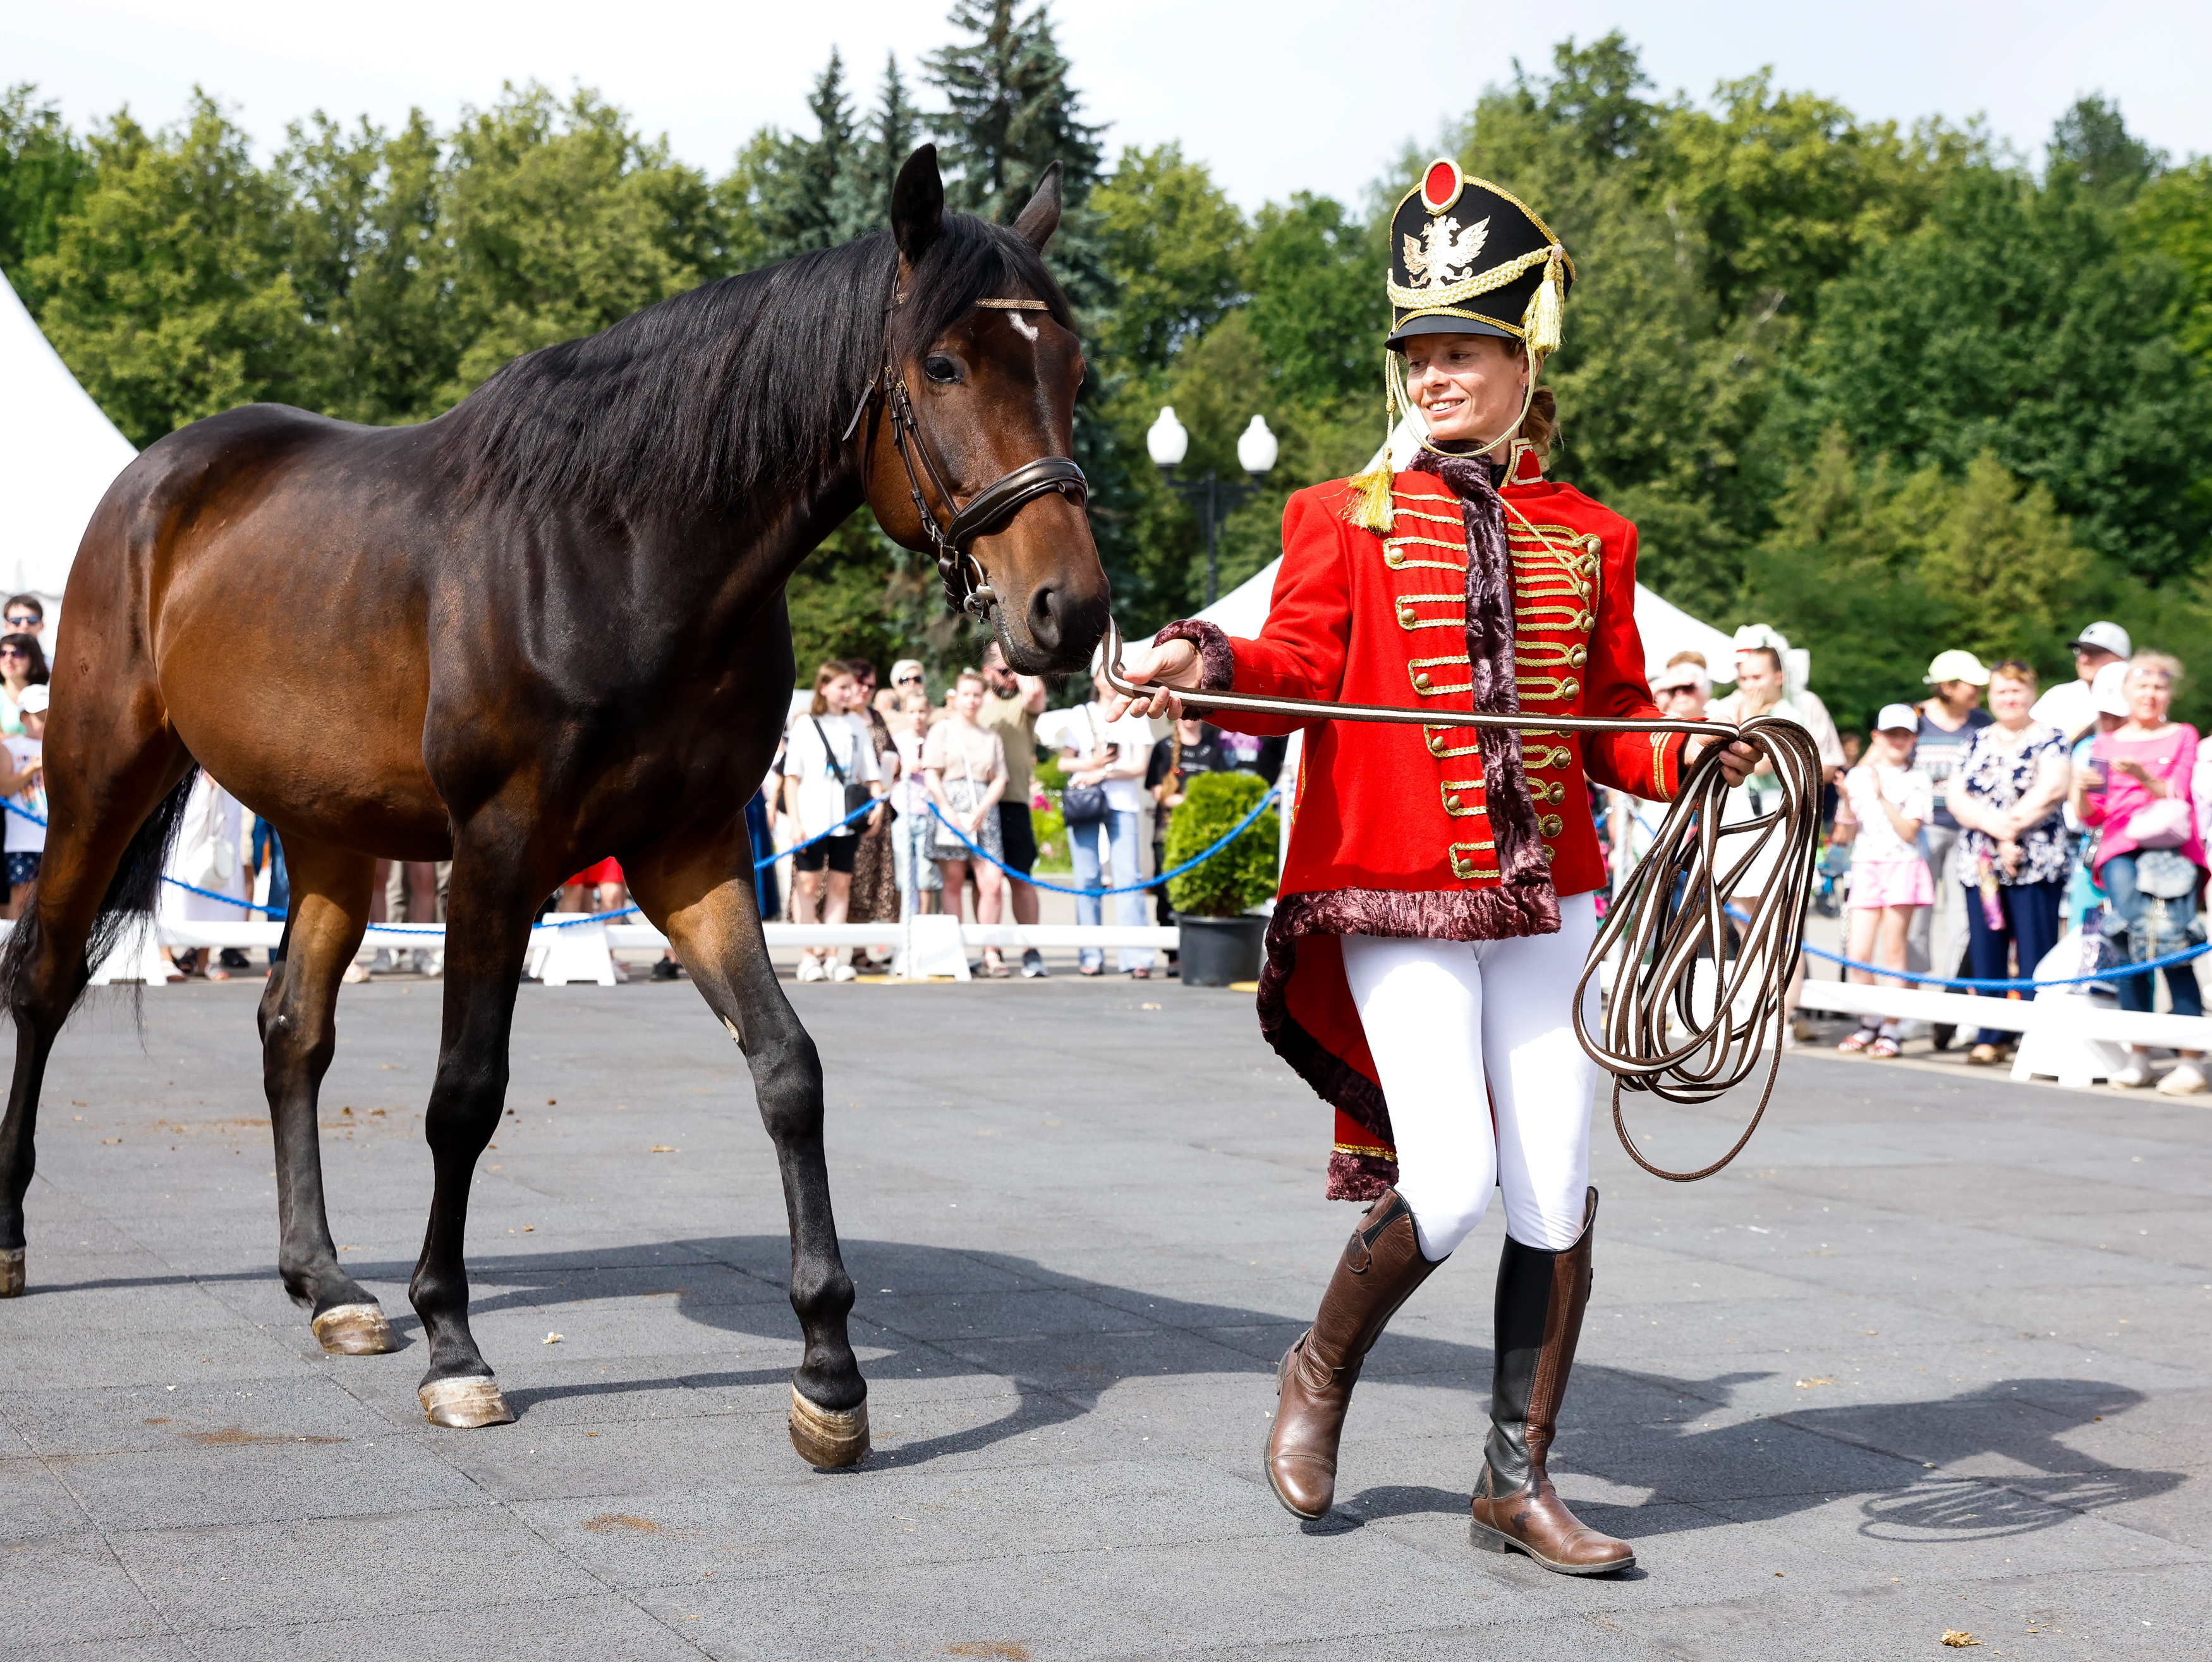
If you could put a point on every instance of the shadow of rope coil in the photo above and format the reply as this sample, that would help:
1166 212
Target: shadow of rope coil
1658 941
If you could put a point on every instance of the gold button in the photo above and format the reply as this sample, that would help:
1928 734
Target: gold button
1421 681
1585 621
1594 542
1577 656
1451 800
1392 558
1551 825
1405 616
1569 688
1435 745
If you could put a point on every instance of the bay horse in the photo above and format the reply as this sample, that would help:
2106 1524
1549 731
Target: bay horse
544 627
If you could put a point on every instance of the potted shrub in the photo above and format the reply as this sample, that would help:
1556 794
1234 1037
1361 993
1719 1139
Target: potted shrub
1222 940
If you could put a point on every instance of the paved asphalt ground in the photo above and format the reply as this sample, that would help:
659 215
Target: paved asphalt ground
1934 1356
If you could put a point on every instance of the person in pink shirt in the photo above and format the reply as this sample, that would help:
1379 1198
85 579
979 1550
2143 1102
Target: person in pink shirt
2150 852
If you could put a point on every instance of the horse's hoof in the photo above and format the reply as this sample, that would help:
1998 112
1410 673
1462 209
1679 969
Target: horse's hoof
465 1404
11 1271
828 1439
354 1330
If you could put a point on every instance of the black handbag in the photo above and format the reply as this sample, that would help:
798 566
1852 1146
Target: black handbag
1084 804
857 794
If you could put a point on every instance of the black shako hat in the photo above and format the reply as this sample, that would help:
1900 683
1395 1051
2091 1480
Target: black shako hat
1469 258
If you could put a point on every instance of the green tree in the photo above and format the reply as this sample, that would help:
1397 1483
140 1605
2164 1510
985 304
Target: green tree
44 175
1171 240
2012 321
165 291
2172 221
2093 151
1010 113
364 222
558 220
862 195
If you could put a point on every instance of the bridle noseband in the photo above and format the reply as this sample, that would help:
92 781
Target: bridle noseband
967 586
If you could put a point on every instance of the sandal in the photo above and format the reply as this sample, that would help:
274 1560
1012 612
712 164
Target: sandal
1859 1041
994 968
1984 1056
1140 975
1883 1048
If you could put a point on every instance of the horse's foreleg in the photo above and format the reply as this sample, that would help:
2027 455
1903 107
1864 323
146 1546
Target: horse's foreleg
487 933
717 936
299 1034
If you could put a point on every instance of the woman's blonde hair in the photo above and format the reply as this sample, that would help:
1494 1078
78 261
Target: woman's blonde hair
2014 669
822 676
967 676
2165 662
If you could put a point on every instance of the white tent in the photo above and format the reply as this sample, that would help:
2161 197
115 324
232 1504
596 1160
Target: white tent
1666 629
58 454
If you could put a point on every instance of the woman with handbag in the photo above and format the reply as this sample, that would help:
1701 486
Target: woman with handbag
1105 759
829 773
2150 853
965 764
2008 796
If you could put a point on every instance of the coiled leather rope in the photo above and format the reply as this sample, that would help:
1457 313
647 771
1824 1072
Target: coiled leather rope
1685 1020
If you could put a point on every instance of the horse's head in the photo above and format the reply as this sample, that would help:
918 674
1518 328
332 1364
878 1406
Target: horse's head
978 420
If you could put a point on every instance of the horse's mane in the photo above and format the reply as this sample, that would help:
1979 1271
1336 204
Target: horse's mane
737 391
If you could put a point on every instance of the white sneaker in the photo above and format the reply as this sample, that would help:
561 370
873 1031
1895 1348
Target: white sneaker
841 971
2187 1080
2135 1075
810 969
355 973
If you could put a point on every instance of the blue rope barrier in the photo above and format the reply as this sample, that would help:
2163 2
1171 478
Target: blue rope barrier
868 807
2119 972
1195 860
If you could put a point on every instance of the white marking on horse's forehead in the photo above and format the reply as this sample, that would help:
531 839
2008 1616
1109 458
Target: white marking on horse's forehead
1028 329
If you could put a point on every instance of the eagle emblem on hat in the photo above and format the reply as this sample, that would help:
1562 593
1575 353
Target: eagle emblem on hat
1444 251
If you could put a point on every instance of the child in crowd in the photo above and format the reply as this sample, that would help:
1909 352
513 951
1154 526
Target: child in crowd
1885 805
23 784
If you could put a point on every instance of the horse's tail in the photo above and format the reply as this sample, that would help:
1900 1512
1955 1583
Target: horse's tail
133 893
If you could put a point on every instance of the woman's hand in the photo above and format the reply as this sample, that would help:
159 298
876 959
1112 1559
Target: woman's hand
1171 664
2009 853
2135 770
876 816
1738 763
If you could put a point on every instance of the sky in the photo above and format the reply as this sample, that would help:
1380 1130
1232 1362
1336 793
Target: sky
1287 95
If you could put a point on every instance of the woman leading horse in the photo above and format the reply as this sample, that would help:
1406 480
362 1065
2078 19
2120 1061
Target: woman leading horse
1438 904
664 477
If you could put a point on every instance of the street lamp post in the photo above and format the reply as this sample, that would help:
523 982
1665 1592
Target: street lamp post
1169 442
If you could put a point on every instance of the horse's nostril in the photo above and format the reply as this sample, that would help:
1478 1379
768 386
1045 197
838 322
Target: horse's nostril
1044 619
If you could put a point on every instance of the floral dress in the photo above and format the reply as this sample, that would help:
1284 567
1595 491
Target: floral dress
2000 779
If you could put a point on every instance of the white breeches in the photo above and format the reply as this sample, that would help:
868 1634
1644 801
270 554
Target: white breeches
1444 1017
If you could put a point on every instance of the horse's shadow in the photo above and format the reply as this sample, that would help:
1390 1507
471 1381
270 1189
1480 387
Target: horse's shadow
1063 1341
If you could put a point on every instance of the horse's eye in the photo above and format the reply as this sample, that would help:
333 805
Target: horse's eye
940 368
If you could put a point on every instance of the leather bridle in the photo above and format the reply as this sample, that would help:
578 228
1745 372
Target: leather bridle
966 584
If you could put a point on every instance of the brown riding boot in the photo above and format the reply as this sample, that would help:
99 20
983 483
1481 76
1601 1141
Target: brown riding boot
1540 1299
1380 1267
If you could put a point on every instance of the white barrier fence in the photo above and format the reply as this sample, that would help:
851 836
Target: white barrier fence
566 954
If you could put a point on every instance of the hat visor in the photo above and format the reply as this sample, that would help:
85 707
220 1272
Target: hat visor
1432 324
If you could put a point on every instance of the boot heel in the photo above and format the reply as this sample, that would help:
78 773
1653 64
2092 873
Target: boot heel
1488 1539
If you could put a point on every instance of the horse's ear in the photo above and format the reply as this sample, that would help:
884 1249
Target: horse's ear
1041 217
917 204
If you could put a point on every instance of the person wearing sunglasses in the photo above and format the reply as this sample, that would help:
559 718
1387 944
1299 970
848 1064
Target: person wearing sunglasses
25 613
23 664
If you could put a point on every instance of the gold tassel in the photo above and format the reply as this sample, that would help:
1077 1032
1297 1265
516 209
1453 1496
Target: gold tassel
1369 506
1546 309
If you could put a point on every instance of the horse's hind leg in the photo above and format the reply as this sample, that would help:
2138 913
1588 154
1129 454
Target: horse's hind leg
113 809
299 1034
715 927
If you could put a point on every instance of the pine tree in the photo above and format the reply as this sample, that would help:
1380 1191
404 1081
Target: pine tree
863 192
1010 113
799 187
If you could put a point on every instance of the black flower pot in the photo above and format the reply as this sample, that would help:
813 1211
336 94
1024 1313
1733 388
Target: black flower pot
1220 952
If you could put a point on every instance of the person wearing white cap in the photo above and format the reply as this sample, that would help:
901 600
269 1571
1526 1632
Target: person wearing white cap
1886 802
1682 691
1948 721
2069 706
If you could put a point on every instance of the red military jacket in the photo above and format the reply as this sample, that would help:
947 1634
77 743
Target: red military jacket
1390 832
